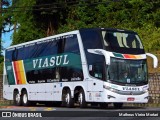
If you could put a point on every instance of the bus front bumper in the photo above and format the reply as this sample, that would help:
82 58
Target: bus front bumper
115 97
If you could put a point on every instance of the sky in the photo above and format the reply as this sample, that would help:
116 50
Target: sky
7 39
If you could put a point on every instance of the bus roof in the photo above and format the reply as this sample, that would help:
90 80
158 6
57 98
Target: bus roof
45 38
71 32
109 29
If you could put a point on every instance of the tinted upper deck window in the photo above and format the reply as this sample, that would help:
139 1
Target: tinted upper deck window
91 39
122 42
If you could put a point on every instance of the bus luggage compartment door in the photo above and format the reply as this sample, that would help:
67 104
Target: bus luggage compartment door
95 90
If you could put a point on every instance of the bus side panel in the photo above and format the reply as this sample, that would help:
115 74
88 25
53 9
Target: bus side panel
41 92
8 92
32 93
57 88
49 91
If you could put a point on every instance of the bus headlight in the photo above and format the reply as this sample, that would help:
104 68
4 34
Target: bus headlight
109 88
121 92
145 91
106 87
147 97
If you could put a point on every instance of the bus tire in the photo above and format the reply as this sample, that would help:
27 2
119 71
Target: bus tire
81 99
25 101
17 98
67 100
118 105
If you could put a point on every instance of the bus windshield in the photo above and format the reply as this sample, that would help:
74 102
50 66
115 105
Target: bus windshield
127 71
117 41
120 39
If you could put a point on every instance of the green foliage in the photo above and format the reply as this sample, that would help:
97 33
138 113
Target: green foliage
4 20
1 68
142 16
1 58
39 18
138 15
27 29
1 64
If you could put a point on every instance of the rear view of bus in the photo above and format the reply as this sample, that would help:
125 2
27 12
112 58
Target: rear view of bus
117 57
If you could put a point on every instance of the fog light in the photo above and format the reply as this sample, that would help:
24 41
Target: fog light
147 97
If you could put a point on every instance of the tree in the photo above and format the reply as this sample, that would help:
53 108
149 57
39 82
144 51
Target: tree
50 14
38 18
4 21
23 19
137 15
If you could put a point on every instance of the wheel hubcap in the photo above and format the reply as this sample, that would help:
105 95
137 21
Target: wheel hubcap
17 98
67 98
80 98
25 98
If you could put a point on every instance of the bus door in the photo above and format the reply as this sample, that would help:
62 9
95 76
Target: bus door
95 82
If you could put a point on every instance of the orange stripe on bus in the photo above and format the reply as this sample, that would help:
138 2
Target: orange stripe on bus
19 72
23 80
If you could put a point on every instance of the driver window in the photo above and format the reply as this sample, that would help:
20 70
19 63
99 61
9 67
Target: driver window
96 70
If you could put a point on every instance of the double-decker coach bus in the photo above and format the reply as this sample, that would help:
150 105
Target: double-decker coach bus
94 65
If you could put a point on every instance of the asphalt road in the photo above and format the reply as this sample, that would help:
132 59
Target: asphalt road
90 113
89 108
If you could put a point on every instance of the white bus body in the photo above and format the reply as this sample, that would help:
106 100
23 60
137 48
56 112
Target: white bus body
83 71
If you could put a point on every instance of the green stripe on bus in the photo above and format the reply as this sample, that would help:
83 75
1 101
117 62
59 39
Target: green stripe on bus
52 61
10 74
118 55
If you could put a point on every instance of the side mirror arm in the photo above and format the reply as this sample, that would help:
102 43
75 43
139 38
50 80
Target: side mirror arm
155 59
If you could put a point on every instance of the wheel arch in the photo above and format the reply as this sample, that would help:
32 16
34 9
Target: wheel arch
65 88
16 90
24 89
20 90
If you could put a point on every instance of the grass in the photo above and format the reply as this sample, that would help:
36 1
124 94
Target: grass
5 103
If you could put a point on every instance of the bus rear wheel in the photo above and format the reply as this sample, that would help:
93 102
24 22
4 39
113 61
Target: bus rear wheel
81 99
17 98
25 101
67 100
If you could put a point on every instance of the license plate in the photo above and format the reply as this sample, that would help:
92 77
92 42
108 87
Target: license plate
130 99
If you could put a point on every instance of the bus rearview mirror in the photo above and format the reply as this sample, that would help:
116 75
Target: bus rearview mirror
155 59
